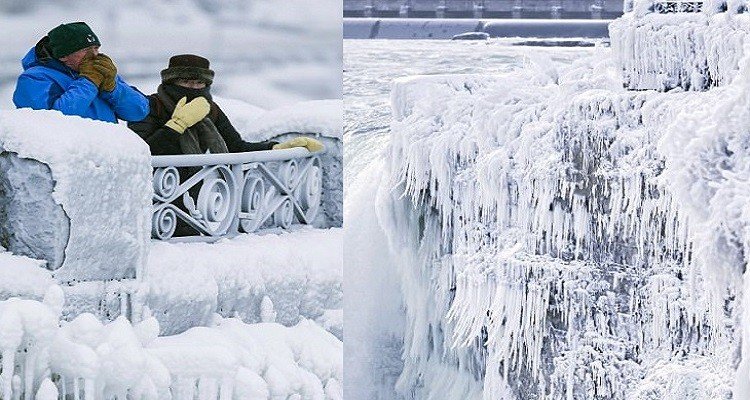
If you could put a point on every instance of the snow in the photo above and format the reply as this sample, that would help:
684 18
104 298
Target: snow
24 277
322 117
115 163
230 359
301 272
264 56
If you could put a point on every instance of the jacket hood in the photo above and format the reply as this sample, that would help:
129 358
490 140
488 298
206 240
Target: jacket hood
32 60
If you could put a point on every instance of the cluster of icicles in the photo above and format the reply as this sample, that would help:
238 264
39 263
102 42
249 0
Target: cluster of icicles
556 257
701 52
46 359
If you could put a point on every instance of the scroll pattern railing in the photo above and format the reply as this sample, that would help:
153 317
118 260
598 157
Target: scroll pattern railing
208 196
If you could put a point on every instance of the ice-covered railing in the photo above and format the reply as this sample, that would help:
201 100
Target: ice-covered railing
677 6
218 195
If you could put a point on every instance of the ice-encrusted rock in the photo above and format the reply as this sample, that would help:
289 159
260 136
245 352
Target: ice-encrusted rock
31 222
78 194
541 253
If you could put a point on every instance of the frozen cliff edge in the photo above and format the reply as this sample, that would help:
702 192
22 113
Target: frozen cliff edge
559 236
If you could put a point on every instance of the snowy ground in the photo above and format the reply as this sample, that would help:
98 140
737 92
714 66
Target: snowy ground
369 68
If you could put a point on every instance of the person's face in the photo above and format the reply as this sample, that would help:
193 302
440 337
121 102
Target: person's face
73 61
190 83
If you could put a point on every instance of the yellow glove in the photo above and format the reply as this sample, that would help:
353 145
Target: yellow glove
87 69
309 143
107 68
186 115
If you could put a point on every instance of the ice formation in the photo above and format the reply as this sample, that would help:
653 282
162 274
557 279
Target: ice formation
696 50
558 236
86 358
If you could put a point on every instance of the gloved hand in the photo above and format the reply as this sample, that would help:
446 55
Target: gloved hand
186 115
87 69
309 143
107 68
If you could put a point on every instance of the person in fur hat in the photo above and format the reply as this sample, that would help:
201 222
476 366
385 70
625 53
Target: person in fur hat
66 72
184 119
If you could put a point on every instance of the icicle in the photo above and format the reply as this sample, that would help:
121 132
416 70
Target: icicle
267 313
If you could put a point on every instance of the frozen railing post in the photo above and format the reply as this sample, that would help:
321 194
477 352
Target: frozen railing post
228 193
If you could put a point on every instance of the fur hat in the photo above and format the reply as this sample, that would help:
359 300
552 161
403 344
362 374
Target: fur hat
188 67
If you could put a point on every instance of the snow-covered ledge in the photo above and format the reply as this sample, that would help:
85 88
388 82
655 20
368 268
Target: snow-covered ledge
691 50
75 193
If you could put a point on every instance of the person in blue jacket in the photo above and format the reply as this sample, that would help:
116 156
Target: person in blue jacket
66 72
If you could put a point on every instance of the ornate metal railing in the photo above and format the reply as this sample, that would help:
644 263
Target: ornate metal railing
672 6
208 196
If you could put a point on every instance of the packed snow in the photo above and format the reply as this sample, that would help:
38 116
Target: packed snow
23 276
300 272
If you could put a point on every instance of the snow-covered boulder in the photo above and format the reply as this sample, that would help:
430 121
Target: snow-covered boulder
321 119
76 193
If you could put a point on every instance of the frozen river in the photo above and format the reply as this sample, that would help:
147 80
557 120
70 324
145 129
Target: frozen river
371 65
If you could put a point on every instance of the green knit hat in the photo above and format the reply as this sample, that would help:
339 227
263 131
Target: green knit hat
66 39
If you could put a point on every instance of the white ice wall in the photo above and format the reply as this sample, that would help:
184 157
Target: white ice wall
540 248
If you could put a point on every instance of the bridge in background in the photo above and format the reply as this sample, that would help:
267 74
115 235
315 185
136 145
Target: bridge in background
557 9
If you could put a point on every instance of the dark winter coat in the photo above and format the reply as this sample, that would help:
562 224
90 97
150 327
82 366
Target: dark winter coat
48 84
165 141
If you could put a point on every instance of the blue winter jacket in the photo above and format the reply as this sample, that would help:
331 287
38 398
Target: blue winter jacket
53 86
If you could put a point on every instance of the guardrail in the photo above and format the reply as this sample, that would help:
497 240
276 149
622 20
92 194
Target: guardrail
204 197
672 6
